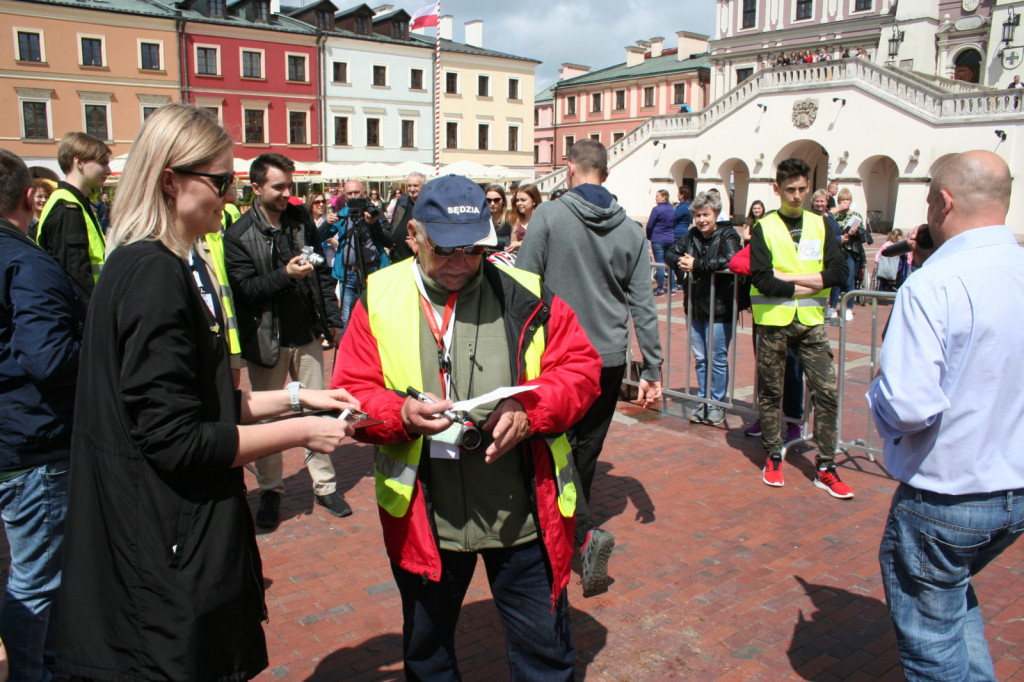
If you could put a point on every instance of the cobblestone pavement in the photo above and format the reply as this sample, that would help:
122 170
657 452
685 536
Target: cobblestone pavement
716 576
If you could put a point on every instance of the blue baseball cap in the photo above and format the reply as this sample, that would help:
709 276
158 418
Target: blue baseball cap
454 211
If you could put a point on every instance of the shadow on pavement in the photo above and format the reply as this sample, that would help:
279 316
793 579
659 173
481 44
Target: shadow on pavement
845 632
613 491
479 644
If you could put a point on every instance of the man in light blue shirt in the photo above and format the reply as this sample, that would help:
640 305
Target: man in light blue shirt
947 400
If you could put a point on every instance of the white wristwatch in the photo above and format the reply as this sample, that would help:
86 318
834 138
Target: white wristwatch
293 395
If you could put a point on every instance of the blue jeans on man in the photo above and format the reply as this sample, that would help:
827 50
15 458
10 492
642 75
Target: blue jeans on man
719 356
932 545
659 250
33 507
350 289
539 638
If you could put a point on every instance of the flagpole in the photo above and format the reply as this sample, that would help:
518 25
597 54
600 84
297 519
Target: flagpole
437 92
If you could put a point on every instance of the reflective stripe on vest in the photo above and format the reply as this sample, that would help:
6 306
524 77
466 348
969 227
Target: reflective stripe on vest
810 309
232 211
392 302
215 242
97 244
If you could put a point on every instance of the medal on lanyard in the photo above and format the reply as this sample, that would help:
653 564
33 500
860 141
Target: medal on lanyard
442 329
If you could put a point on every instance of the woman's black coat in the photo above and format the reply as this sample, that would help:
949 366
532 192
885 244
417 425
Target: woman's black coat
710 255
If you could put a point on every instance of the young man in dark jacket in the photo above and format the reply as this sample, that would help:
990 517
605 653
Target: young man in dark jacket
286 307
41 318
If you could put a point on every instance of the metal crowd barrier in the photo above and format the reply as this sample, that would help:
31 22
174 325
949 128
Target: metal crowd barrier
863 442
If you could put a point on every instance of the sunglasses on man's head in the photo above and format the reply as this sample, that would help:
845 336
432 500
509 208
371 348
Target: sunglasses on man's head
447 251
222 181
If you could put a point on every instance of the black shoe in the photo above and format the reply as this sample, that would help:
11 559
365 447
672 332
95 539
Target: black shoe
335 503
269 513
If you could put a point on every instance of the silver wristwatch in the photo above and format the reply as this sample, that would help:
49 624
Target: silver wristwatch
293 395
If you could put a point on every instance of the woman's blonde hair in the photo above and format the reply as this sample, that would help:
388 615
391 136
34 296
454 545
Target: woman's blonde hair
844 194
174 136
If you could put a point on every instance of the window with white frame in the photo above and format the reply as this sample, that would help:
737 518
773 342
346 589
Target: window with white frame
451 135
214 105
451 83
617 135
339 72
151 55
207 60
30 46
483 86
252 63
620 100
861 5
596 137
595 102
409 134
513 138
91 50
373 132
34 109
416 79
216 8
804 9
296 64
513 88
570 140
341 131
97 119
297 127
649 96
380 75
749 13
483 136
254 123
570 105
679 93
150 103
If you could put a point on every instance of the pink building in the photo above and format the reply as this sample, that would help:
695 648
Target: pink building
607 104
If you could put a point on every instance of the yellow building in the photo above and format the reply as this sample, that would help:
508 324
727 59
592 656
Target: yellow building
486 102
68 65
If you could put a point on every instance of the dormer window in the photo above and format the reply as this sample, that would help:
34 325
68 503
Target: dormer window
324 21
261 10
401 30
217 7
362 25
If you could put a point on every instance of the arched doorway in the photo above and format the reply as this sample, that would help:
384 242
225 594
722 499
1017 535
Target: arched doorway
880 180
968 66
813 153
736 180
684 172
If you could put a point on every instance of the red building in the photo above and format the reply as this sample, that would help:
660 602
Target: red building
257 70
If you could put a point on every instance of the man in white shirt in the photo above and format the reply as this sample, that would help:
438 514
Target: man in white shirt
948 403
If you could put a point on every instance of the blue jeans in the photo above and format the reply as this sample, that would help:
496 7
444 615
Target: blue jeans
719 356
33 506
931 547
349 290
659 250
539 641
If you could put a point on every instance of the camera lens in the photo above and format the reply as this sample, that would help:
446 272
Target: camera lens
471 439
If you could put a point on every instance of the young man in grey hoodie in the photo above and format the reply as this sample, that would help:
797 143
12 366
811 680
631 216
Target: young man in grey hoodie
592 255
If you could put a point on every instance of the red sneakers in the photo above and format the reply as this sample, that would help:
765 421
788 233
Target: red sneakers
828 480
772 474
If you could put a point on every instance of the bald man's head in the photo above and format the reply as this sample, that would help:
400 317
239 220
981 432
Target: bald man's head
970 190
354 189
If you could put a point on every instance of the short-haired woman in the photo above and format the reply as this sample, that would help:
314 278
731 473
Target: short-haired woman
162 576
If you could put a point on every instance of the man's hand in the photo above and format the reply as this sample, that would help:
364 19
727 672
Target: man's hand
370 219
920 254
419 417
296 270
508 426
649 393
332 218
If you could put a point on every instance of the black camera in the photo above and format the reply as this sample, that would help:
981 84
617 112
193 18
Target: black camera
359 205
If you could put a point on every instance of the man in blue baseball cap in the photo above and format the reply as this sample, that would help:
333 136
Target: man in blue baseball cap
458 480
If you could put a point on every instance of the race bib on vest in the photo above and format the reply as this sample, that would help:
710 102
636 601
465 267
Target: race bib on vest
810 249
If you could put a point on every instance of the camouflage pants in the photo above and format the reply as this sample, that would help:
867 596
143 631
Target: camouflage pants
810 345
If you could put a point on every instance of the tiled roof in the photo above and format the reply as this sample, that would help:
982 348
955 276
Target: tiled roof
649 67
452 46
545 95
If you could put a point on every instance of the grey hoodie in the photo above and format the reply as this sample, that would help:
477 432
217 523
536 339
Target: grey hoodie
596 260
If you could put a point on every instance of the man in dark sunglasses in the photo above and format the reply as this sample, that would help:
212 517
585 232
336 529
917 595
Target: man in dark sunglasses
455 327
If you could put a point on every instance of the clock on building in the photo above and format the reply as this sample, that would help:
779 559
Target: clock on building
970 5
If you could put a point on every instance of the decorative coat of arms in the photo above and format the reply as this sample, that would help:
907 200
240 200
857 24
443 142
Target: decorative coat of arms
1012 57
804 112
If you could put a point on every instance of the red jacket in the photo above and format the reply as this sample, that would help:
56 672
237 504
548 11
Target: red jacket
568 384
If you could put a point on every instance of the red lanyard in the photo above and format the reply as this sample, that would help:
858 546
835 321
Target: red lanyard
443 361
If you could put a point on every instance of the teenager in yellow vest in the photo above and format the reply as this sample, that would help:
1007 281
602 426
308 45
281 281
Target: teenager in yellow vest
793 262
68 229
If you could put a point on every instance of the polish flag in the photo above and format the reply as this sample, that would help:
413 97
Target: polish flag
425 16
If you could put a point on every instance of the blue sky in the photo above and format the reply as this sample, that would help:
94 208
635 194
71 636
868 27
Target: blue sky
593 33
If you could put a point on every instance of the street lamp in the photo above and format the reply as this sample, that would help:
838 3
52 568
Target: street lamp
895 40
1009 26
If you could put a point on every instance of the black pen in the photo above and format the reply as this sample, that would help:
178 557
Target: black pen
424 398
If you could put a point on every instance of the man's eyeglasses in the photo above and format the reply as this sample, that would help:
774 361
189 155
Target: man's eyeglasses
222 181
447 251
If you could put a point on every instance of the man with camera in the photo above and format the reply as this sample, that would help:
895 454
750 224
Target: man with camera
285 306
455 327
362 235
948 403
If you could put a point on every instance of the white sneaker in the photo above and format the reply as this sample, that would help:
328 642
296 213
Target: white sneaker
849 315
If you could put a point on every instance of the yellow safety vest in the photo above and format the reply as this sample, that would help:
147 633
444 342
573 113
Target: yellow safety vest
229 210
97 244
392 301
215 242
804 258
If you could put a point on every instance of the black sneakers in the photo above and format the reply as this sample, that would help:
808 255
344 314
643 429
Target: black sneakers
269 513
335 504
